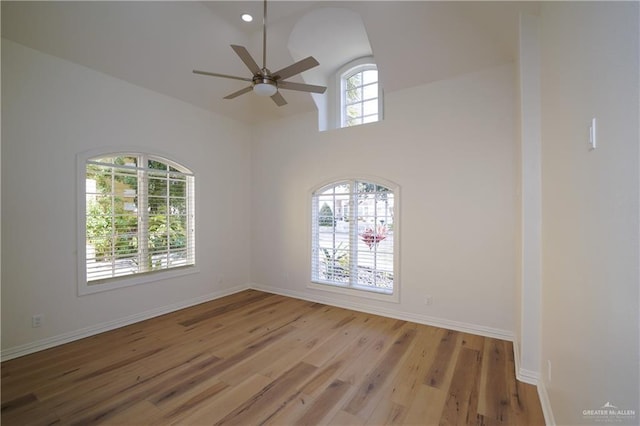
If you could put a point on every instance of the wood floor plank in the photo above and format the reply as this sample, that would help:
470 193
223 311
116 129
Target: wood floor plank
102 398
187 380
472 341
19 403
226 308
254 365
323 376
324 406
426 408
195 397
241 334
376 343
258 358
293 409
496 400
266 403
374 381
301 342
343 418
65 365
140 410
351 349
461 406
216 409
387 412
33 415
444 355
341 337
525 405
82 398
415 367
409 378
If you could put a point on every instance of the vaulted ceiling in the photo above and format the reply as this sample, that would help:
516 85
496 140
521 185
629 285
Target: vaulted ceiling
156 45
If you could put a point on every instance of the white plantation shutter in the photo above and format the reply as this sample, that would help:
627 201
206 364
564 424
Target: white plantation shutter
139 216
353 237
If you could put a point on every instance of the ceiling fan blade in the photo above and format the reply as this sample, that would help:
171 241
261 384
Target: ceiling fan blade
239 92
297 68
246 58
215 74
289 85
278 99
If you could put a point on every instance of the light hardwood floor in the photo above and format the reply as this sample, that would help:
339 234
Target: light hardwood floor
256 358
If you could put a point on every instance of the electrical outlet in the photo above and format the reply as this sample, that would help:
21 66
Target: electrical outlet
593 134
36 320
428 300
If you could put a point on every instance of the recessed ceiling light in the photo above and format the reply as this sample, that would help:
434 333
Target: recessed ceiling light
246 17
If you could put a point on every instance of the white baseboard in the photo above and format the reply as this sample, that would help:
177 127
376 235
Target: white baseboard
49 342
516 355
528 376
522 374
546 404
393 313
39 345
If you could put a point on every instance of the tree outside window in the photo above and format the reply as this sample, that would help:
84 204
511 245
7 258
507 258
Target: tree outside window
353 236
139 216
360 96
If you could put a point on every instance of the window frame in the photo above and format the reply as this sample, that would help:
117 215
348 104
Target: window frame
360 291
89 287
347 71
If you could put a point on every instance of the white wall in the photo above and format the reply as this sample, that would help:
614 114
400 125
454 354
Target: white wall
53 109
450 146
459 220
590 237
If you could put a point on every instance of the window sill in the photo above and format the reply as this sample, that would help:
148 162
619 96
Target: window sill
356 291
85 288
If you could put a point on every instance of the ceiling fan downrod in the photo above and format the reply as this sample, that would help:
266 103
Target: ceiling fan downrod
264 38
264 82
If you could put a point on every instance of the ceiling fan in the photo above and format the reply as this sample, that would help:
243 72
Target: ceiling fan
264 82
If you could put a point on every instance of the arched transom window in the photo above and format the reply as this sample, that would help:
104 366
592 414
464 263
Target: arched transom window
360 96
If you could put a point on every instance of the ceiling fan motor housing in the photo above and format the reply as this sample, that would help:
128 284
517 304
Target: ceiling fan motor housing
264 85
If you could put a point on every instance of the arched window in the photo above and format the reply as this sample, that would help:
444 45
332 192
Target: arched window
138 219
360 95
355 236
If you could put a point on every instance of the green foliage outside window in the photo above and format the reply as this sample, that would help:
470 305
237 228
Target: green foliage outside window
112 214
325 218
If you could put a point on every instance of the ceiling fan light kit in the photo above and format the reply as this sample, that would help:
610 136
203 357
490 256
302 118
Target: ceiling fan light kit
263 85
264 82
264 89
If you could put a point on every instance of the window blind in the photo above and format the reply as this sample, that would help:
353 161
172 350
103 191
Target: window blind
139 216
353 236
